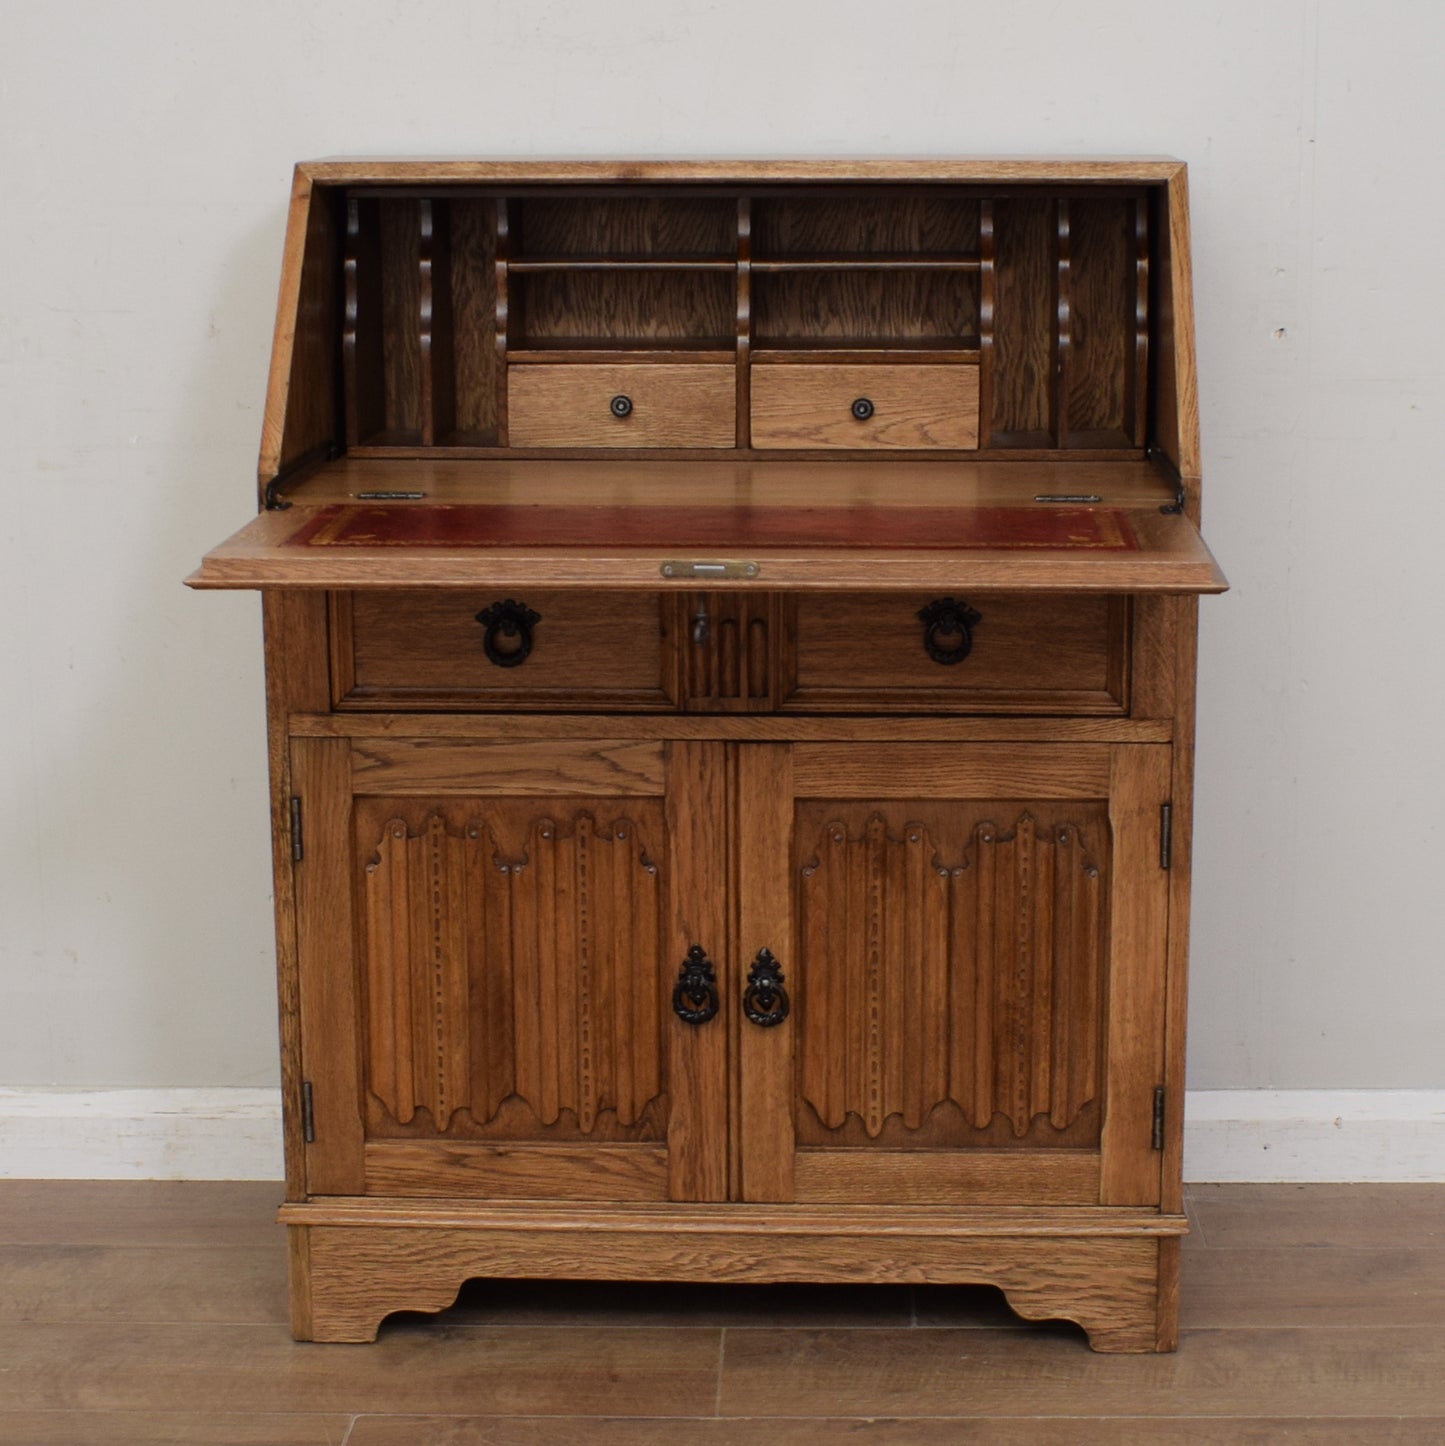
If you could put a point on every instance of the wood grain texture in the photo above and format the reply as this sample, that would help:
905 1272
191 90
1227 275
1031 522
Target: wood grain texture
695 226
758 728
930 1177
570 406
399 234
1086 170
362 1274
473 254
1139 913
161 1427
361 344
622 307
953 960
435 325
293 626
912 406
1170 557
876 308
1030 653
1103 299
698 914
473 1171
512 955
765 920
1023 323
425 650
536 768
928 223
836 771
325 942
726 651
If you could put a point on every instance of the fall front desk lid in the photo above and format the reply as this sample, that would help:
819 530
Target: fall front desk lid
860 537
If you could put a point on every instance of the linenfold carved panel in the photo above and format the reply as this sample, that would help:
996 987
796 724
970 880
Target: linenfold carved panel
940 979
513 959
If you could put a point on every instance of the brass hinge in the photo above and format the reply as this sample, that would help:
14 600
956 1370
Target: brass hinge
1157 1140
1166 835
297 852
308 1115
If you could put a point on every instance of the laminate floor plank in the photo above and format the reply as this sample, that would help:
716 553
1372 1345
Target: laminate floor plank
914 1431
1364 1217
412 1367
143 1283
141 1212
1319 1286
606 1303
1052 1372
164 1428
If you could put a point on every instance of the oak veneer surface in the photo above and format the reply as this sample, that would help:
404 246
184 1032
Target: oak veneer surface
139 1312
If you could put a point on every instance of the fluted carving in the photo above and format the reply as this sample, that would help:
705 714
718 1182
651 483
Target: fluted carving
532 975
926 979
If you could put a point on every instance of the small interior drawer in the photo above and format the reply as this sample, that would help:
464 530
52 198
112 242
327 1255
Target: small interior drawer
423 650
1042 653
600 405
874 405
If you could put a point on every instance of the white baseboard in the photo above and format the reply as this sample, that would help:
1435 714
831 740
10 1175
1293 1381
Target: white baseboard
1306 1135
175 1134
235 1134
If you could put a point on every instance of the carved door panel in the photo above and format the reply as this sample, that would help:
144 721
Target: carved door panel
972 946
489 936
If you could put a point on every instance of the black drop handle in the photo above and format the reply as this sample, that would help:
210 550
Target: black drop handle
512 620
946 618
765 1001
694 996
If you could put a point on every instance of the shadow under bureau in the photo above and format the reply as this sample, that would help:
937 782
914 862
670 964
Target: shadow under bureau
730 680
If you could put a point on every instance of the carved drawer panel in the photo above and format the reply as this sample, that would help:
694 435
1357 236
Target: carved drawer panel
868 406
588 405
990 653
542 650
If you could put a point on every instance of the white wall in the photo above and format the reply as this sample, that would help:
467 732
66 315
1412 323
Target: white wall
145 155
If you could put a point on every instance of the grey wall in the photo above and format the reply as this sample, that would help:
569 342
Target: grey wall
145 154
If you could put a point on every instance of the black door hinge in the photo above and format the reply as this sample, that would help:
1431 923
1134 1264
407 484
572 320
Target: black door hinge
308 1115
1166 835
297 852
1157 1140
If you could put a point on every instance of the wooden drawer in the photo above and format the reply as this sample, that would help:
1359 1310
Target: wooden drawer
870 406
1043 653
428 650
621 406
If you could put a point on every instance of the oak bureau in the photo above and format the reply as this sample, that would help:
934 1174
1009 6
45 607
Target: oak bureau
730 677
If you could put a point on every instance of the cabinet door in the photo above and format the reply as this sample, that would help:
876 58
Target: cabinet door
489 937
972 944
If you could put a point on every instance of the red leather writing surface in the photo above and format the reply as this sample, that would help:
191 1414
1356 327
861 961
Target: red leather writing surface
733 528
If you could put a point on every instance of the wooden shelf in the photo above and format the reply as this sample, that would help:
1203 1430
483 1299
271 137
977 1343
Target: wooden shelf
585 350
524 264
866 263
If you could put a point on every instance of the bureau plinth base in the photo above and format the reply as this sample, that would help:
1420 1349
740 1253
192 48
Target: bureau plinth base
1112 1271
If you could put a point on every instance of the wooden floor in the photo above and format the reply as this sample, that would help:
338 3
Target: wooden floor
154 1312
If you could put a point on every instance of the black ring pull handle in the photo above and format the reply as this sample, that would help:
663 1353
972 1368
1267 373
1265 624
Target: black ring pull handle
694 996
948 618
511 620
621 405
765 1001
862 409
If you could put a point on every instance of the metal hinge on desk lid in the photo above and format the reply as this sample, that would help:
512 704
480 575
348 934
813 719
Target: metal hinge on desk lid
1166 835
1157 1139
308 1115
297 851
